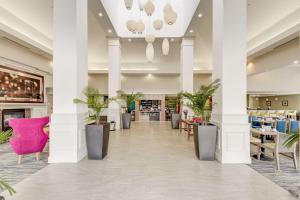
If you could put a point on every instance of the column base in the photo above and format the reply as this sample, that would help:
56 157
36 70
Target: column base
67 138
233 144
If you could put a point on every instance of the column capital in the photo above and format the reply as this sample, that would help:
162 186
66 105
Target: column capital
113 42
187 42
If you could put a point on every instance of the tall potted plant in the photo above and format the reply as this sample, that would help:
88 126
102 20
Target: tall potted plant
130 100
175 116
97 132
5 186
205 134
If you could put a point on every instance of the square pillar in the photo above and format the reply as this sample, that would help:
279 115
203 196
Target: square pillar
114 79
70 75
186 71
229 65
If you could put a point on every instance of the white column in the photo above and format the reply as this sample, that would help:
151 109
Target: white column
114 79
229 65
70 75
186 70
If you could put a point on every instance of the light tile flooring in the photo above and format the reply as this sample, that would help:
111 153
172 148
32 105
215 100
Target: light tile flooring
150 161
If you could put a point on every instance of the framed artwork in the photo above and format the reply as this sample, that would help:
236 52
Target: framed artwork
20 87
268 103
285 103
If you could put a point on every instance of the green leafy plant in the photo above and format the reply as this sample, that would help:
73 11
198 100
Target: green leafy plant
294 138
5 136
199 99
173 103
129 98
5 186
95 102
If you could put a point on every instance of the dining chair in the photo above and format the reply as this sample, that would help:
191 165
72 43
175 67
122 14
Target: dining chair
281 126
293 126
279 147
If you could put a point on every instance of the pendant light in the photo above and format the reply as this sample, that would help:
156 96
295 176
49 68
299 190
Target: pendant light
158 24
150 52
165 47
140 26
150 38
128 4
149 8
168 8
131 26
142 4
170 17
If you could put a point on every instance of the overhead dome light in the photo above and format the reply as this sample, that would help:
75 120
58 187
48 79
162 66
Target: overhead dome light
109 30
200 15
165 47
170 17
150 52
158 24
128 4
100 14
296 62
140 26
142 4
149 8
191 31
150 38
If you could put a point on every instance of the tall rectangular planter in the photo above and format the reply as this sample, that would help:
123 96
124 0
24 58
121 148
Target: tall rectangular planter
175 118
97 138
126 120
205 138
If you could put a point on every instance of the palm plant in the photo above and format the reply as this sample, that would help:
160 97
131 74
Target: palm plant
294 138
199 99
5 135
129 98
5 186
95 102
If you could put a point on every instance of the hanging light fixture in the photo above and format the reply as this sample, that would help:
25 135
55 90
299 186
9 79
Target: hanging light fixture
131 26
128 4
158 24
170 17
142 4
150 52
165 47
149 8
140 26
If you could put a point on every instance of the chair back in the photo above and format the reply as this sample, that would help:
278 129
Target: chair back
28 135
281 126
282 137
294 126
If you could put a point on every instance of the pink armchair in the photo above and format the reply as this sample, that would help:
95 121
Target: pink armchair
29 136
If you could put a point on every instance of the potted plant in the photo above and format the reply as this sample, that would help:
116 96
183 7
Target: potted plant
5 186
205 134
97 131
130 100
175 116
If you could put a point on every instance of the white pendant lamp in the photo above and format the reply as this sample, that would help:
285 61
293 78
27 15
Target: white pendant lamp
149 8
150 52
142 4
170 17
128 4
158 24
140 26
131 26
150 38
168 8
165 47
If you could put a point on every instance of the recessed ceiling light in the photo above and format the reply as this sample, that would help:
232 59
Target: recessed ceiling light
172 39
129 40
200 15
100 14
296 62
191 31
109 30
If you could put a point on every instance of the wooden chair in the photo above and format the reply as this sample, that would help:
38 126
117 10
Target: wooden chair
279 148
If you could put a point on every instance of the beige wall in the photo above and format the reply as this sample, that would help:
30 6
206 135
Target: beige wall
148 84
293 101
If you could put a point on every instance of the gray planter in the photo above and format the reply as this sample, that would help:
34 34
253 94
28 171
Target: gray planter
175 118
205 138
97 137
126 120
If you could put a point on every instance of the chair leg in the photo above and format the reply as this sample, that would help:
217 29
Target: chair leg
37 156
295 160
258 152
19 159
277 161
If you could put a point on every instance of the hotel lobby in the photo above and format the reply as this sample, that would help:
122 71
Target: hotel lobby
149 99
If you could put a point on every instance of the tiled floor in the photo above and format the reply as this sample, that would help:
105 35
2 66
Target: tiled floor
150 161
